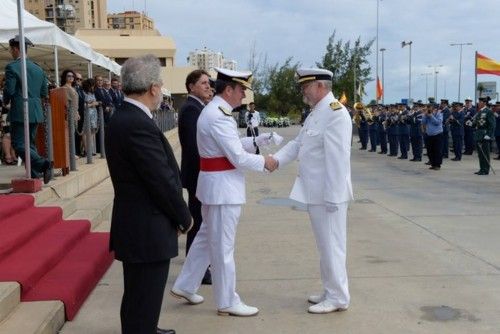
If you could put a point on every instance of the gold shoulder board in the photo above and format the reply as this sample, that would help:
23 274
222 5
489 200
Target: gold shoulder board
336 105
225 111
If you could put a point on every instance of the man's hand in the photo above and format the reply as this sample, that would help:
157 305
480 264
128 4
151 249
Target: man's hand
179 232
270 163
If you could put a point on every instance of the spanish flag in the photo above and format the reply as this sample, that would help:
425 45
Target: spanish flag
343 99
380 90
485 65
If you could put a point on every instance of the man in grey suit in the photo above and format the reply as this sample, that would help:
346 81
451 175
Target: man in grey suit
37 89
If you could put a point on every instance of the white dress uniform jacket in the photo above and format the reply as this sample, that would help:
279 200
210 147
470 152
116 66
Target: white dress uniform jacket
255 121
323 148
217 136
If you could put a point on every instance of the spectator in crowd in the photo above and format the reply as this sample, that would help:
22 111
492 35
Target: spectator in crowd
89 122
81 114
68 82
252 118
37 90
102 95
9 155
116 93
148 210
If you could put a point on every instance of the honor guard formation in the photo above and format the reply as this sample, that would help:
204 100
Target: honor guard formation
462 128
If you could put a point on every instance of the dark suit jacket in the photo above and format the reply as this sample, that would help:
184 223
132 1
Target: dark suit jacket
106 102
148 206
117 97
13 93
190 164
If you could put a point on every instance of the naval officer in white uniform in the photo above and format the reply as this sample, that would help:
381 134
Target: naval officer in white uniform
323 149
221 189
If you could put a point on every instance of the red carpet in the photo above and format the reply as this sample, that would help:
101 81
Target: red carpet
51 258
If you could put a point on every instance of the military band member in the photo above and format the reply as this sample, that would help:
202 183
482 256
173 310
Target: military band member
415 120
403 132
496 110
221 190
373 132
323 148
484 124
392 132
445 111
382 132
362 124
456 122
470 112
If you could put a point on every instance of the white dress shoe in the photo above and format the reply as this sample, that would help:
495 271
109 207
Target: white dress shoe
239 310
326 306
191 298
316 299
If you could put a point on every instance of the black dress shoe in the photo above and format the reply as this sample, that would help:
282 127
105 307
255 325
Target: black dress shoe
403 158
371 151
164 331
497 158
382 152
477 172
482 173
435 167
362 148
456 159
207 278
47 171
428 163
417 159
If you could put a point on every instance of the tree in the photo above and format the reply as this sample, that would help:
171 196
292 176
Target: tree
283 96
480 88
346 63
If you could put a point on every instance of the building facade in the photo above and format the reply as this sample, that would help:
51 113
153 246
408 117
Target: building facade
130 20
70 15
206 59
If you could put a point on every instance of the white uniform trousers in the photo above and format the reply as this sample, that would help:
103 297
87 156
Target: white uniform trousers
330 232
214 246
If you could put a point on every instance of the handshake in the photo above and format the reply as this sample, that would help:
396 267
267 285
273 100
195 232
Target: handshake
270 163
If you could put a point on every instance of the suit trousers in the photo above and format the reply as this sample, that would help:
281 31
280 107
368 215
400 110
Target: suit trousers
416 146
214 246
383 141
330 232
435 149
144 284
458 143
404 141
195 209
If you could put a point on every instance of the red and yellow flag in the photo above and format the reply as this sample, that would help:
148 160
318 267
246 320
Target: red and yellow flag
380 90
487 65
343 98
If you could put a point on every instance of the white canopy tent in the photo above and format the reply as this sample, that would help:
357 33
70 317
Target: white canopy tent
52 45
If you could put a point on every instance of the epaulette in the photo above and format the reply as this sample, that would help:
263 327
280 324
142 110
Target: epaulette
336 105
226 112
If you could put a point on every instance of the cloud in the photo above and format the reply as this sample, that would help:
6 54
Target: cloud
284 28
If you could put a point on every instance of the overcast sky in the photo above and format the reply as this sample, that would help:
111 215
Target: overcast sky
283 28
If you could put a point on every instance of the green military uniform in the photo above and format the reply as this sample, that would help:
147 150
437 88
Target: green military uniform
37 89
484 123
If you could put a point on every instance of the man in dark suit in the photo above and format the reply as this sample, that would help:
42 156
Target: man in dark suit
199 92
148 210
116 93
81 113
37 89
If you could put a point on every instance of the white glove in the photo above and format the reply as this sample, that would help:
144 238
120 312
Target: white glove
486 137
263 139
277 139
331 207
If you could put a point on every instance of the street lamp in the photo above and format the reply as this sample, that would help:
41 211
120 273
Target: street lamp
435 67
426 84
460 65
383 80
403 44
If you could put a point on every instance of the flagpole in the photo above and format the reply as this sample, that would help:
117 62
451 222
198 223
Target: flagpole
475 81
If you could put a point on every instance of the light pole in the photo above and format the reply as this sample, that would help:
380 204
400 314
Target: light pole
426 84
460 65
383 80
435 79
376 48
403 44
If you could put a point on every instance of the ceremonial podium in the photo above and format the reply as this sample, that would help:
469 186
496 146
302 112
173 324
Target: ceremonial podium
60 132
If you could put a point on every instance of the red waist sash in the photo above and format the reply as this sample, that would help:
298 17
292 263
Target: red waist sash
215 164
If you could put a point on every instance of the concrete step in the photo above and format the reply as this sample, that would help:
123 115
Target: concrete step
34 318
10 296
68 205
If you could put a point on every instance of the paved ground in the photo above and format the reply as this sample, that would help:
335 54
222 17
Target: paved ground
423 257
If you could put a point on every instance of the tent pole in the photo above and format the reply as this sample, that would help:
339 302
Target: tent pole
24 84
89 69
56 65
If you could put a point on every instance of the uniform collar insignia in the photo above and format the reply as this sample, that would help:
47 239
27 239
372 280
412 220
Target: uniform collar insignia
226 111
336 105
